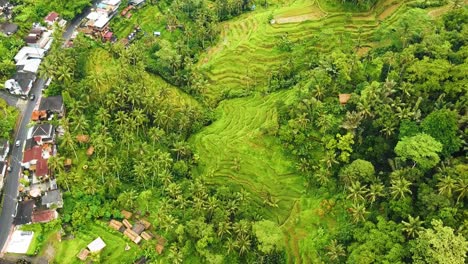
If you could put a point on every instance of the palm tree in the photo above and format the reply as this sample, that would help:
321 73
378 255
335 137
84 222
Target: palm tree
413 226
56 164
243 243
335 251
462 188
356 192
223 228
140 171
175 255
399 188
89 186
358 212
242 227
81 124
352 121
230 245
376 190
128 198
446 185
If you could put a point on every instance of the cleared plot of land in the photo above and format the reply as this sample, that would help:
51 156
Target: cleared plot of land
114 252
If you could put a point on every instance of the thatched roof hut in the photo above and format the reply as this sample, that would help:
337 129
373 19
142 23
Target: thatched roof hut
126 214
344 98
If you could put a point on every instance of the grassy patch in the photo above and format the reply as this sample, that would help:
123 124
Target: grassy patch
149 18
114 252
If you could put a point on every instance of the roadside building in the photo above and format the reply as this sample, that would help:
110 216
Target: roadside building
53 106
51 18
53 199
24 213
39 37
42 133
8 29
44 216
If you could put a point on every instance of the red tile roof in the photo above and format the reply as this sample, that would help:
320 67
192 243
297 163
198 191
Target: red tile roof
51 17
44 216
35 153
42 168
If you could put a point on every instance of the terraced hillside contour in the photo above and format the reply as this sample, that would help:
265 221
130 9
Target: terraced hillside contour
236 149
246 53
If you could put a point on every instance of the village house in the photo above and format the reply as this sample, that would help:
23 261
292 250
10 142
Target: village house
53 199
4 149
39 37
8 29
24 213
53 106
103 13
51 18
26 53
21 84
43 216
42 133
35 160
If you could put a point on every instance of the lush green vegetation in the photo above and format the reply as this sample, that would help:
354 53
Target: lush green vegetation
8 118
241 152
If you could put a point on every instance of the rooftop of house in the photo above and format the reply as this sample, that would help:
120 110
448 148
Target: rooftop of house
29 52
54 196
51 17
42 130
42 168
34 153
51 103
8 28
28 65
44 216
24 213
97 245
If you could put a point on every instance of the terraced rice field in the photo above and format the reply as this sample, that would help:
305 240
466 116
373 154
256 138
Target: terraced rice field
245 54
235 150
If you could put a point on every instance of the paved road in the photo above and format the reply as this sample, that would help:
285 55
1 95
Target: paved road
12 179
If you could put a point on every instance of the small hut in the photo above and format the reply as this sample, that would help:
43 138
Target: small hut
127 224
126 214
90 151
146 236
145 223
138 228
83 255
344 98
116 225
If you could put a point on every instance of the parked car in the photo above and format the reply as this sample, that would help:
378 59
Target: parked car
18 143
32 97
